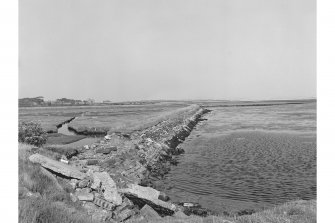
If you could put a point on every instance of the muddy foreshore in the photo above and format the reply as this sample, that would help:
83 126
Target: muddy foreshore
133 163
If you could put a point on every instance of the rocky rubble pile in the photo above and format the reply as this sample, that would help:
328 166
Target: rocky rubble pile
111 178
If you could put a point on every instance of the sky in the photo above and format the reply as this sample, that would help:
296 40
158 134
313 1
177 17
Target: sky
173 49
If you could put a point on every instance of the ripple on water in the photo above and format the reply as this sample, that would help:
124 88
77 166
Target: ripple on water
245 169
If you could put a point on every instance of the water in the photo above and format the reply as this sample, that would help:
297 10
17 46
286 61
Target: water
65 130
248 158
86 141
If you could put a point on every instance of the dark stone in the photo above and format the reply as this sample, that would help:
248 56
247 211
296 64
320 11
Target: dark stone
149 213
103 203
196 211
106 150
246 212
72 152
92 162
162 196
83 183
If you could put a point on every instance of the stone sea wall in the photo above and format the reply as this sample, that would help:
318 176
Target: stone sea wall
114 178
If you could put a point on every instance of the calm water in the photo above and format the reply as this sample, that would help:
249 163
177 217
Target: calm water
248 158
86 141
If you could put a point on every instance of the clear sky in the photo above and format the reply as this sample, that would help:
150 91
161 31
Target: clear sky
171 49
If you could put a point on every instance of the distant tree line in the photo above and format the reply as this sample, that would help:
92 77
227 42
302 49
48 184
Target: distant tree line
39 101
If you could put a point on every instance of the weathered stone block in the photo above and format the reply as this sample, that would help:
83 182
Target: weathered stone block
107 183
149 213
103 203
57 167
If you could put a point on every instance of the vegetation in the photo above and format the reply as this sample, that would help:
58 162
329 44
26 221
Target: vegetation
294 212
32 133
42 197
61 139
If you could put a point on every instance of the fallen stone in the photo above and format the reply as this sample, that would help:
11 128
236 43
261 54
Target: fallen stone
73 183
31 194
142 192
149 213
92 162
86 147
83 183
196 211
71 153
84 195
104 204
93 168
96 182
149 195
57 167
106 150
110 191
126 203
97 214
108 137
162 196
64 161
124 215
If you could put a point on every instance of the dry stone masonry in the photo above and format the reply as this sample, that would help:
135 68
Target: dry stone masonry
111 178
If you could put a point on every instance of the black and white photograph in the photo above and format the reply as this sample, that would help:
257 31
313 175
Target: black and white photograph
166 111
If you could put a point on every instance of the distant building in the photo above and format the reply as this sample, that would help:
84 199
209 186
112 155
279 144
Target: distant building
28 102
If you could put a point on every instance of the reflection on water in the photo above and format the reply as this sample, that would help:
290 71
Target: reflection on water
248 157
86 141
64 130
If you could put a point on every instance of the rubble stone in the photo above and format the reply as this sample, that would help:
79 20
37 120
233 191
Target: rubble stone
84 195
96 182
92 162
83 183
149 213
103 203
110 191
73 183
147 194
124 215
57 167
106 150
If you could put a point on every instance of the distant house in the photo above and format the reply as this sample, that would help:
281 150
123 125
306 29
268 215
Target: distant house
90 101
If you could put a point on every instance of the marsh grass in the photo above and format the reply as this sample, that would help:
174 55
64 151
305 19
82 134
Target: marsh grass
61 139
51 201
292 212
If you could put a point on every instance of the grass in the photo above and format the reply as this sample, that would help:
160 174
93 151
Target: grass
95 118
61 139
40 210
128 121
52 202
292 212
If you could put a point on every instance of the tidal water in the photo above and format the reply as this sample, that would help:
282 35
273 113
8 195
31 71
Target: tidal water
248 158
86 141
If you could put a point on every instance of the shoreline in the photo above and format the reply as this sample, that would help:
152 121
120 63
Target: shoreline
143 157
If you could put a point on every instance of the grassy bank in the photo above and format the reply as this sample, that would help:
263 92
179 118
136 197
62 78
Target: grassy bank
61 139
291 212
294 212
42 197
